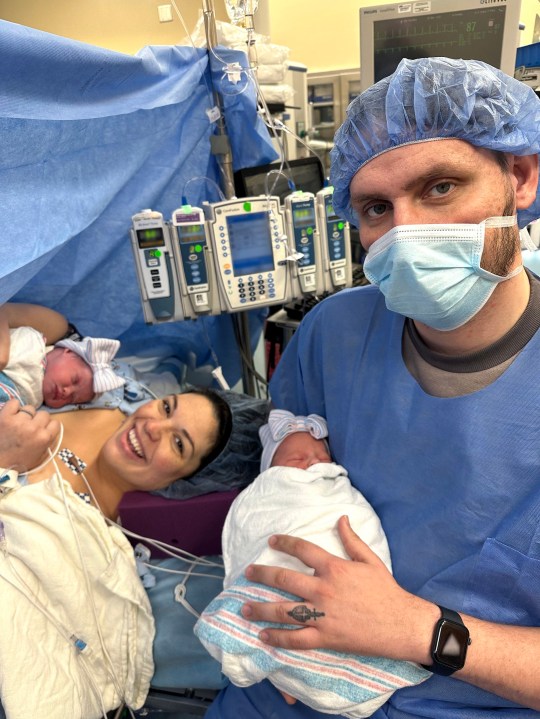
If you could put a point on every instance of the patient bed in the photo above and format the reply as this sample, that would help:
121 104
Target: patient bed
192 524
186 679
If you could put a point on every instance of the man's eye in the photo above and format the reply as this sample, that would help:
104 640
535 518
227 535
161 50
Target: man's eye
376 210
179 444
166 406
441 188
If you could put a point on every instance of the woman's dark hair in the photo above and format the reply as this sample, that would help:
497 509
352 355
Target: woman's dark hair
223 415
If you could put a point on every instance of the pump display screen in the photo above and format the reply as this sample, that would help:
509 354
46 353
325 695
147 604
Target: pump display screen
330 212
191 233
151 237
304 216
250 243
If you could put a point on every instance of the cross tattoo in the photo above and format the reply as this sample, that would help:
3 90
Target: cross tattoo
302 613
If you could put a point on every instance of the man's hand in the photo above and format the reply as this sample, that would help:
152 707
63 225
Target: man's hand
288 698
25 436
349 606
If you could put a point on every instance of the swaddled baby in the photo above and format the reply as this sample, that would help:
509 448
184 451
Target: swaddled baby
300 491
71 372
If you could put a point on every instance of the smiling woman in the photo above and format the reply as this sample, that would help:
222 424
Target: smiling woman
105 455
69 584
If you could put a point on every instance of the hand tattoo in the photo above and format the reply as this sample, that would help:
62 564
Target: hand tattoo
302 613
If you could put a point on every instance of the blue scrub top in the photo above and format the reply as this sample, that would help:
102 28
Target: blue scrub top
455 482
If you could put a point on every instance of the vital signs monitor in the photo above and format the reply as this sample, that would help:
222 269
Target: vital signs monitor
486 30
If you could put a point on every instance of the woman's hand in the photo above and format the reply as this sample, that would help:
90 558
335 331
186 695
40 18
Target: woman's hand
349 606
25 436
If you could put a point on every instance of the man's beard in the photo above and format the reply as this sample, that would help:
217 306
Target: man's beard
504 245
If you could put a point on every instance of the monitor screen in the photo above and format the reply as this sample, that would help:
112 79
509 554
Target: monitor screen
250 242
462 29
306 173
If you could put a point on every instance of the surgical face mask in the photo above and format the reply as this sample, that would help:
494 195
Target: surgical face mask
432 273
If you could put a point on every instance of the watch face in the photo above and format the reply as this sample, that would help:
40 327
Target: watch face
452 642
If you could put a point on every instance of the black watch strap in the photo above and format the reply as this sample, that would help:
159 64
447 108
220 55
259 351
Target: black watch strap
449 644
451 615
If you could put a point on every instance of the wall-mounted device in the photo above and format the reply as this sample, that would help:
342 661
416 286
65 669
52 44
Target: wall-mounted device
194 263
250 252
151 249
335 243
486 30
303 235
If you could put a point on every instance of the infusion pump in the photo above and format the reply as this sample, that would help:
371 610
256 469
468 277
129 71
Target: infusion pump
194 263
304 235
250 252
335 243
155 270
239 254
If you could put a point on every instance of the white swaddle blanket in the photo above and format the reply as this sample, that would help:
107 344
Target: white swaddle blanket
26 364
67 579
306 503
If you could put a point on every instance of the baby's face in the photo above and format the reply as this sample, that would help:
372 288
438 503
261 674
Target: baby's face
67 379
301 450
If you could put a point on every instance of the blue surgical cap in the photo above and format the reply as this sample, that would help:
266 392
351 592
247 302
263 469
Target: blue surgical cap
434 98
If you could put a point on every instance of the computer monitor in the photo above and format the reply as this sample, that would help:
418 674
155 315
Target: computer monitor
306 173
459 29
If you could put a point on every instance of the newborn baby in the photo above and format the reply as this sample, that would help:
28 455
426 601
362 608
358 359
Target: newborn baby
71 372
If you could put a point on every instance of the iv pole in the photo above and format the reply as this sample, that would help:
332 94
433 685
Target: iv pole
220 141
222 150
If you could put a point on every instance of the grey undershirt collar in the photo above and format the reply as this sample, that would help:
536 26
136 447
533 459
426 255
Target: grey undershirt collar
496 354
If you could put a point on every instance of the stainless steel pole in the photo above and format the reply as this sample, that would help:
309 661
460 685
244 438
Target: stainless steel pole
219 142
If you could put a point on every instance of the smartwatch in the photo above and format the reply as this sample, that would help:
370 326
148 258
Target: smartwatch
449 644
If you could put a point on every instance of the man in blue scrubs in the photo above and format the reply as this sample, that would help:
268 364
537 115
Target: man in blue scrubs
428 382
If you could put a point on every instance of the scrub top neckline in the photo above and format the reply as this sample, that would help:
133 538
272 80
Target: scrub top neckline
496 354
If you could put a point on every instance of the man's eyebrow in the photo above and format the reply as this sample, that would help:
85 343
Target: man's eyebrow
362 197
434 172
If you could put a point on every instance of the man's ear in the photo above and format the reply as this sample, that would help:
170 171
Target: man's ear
524 169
